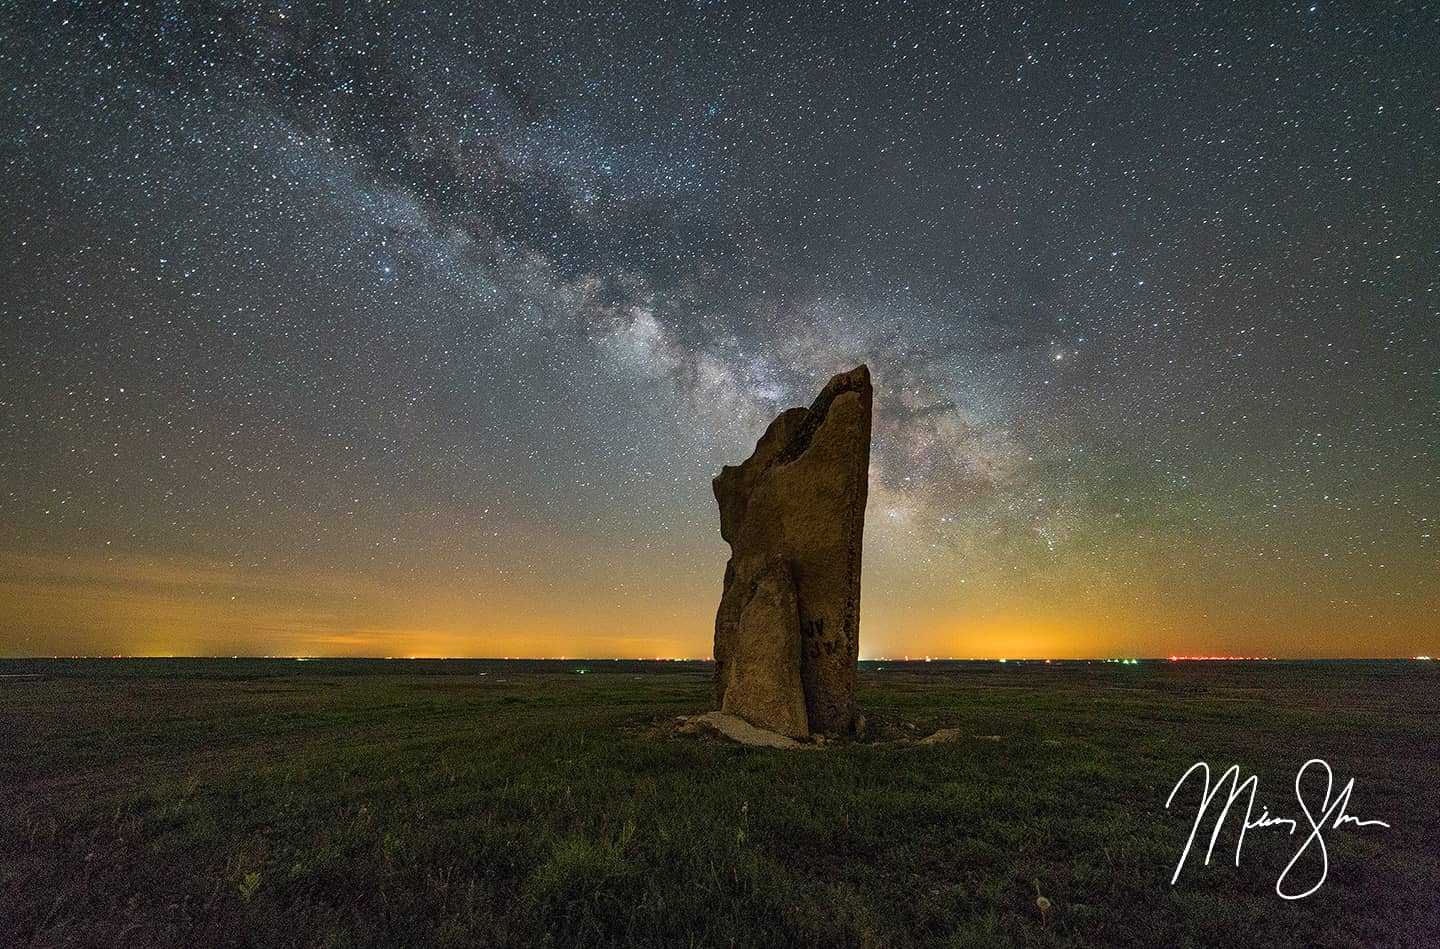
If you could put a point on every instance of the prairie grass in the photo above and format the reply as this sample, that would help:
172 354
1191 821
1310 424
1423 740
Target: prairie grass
447 803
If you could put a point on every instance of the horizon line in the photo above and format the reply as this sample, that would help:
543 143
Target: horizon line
710 659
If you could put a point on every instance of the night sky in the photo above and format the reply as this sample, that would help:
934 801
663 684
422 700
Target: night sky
421 329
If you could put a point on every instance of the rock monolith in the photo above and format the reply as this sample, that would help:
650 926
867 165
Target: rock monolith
787 634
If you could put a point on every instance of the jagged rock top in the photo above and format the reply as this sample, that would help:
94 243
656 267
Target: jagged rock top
784 440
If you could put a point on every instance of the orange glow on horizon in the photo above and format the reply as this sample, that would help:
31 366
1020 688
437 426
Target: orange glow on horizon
111 605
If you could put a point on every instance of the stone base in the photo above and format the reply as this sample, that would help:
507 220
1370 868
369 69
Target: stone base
737 729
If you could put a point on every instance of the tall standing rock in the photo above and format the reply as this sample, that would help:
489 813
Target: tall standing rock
797 502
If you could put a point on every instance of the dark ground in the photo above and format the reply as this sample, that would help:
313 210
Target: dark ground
375 803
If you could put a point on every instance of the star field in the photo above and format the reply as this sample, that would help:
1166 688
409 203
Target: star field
421 328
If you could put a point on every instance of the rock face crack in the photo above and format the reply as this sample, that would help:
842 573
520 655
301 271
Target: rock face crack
787 634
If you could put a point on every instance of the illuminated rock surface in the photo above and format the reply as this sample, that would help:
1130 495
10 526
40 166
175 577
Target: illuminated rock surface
794 515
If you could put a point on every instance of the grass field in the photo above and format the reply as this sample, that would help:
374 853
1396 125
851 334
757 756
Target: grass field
360 803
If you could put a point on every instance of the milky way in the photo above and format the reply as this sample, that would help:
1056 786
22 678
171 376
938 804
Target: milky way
422 328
